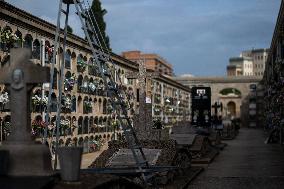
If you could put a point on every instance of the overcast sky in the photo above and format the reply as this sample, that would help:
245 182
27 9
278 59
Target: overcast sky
196 36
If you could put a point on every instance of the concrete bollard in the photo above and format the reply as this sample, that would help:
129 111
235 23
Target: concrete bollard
70 163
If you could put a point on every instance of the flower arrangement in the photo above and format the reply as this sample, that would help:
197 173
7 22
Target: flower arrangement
49 51
64 123
81 64
4 98
114 123
109 108
69 82
66 102
157 109
8 37
167 100
88 106
37 100
157 99
84 87
7 128
96 145
37 127
169 110
92 87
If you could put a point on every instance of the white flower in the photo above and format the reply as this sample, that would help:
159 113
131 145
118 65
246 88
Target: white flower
4 98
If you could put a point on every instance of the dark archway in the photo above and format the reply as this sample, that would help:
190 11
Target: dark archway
36 49
231 107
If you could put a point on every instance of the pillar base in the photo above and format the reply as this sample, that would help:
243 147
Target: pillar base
28 160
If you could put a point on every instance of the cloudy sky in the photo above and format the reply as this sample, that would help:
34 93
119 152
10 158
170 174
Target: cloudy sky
195 36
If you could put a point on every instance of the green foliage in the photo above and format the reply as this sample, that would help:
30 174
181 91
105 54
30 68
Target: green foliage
230 91
99 15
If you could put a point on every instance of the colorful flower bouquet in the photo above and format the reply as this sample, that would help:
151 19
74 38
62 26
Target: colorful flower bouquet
69 83
38 127
49 50
81 65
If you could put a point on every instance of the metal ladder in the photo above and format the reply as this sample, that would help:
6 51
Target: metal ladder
102 58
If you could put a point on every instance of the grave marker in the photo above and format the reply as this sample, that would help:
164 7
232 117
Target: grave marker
25 157
143 121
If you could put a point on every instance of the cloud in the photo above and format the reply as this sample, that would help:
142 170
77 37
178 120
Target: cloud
197 37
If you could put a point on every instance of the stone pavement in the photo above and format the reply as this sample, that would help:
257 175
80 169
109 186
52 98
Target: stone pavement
87 159
245 163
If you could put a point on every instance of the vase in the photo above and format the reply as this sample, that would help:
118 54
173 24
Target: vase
70 163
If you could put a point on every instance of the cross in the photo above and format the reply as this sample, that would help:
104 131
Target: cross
216 106
21 76
142 75
145 115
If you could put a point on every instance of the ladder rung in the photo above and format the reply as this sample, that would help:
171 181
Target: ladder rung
63 11
84 15
88 30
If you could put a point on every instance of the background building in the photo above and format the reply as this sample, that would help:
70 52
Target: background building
152 61
237 94
249 63
240 66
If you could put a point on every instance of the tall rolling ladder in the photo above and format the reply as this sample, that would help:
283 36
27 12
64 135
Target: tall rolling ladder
118 97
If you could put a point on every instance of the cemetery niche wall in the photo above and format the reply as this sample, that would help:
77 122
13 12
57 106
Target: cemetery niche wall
272 86
86 116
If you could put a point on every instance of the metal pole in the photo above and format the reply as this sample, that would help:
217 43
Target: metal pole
56 44
42 88
60 86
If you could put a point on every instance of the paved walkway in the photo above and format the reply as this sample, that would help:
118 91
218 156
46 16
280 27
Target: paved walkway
87 159
245 163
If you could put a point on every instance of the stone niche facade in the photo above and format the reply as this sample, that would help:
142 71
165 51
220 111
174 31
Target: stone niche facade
86 114
273 79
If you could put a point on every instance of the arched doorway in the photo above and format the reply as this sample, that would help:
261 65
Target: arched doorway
231 106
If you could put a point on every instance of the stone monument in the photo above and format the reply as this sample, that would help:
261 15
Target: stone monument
26 158
143 120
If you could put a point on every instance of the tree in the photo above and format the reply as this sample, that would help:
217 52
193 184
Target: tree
69 29
99 23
